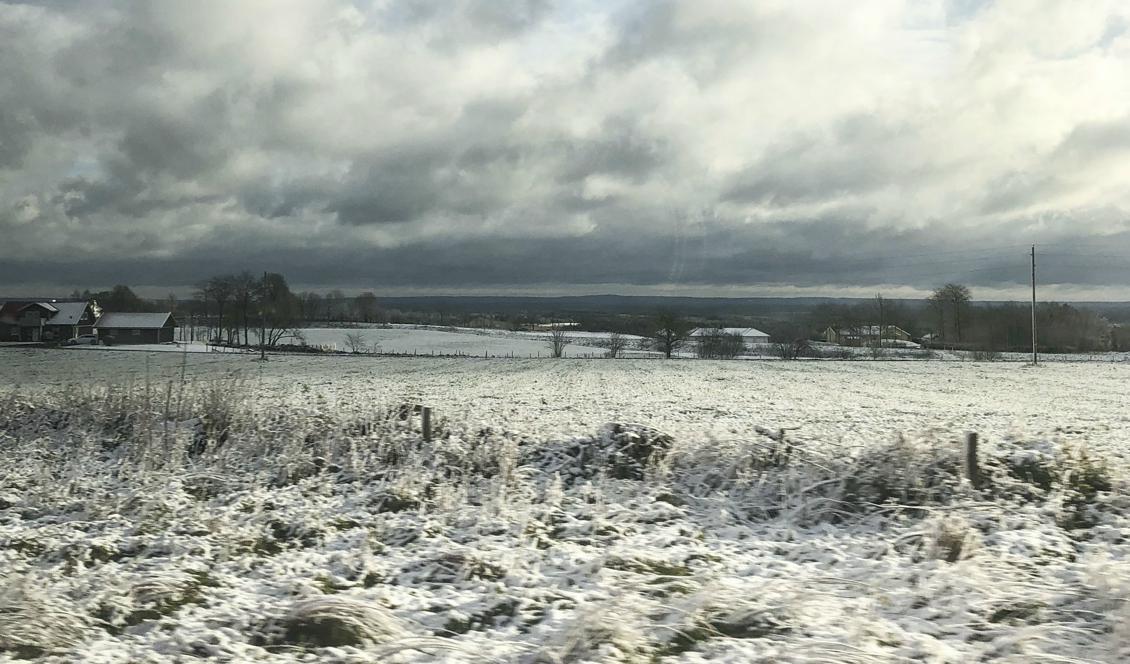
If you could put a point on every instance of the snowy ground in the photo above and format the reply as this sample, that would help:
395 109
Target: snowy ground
324 528
173 347
489 343
450 341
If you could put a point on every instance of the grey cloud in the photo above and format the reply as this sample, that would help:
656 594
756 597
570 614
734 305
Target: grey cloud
1094 139
15 138
852 158
441 144
467 20
622 150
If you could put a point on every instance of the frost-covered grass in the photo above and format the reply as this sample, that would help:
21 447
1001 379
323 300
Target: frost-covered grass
291 511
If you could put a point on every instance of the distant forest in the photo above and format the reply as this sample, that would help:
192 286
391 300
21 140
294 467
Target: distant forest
950 318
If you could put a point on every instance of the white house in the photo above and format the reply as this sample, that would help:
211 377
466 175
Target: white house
749 335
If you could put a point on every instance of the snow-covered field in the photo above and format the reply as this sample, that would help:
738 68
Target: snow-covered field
291 511
452 341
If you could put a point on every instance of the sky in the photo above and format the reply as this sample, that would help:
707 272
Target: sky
706 147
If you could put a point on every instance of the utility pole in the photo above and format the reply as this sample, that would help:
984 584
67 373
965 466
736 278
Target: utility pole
882 321
263 324
1035 356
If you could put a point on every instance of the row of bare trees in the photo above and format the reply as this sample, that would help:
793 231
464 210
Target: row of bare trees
670 333
336 306
238 306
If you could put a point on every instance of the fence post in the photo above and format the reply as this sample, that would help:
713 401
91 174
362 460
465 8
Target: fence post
426 416
972 469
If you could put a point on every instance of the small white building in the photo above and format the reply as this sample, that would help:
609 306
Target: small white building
749 335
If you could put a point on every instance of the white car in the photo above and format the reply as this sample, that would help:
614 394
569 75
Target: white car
82 340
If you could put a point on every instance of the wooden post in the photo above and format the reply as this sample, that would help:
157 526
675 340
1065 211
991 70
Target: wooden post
1035 353
972 469
426 416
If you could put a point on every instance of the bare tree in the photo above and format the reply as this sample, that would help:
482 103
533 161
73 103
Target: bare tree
617 343
312 306
790 342
219 290
335 305
670 333
356 342
366 306
958 296
938 304
882 319
557 342
243 295
792 349
716 343
278 308
955 299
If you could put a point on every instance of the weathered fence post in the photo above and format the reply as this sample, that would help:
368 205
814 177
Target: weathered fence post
426 424
972 469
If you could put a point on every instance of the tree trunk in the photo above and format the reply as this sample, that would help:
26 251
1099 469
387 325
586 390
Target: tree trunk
957 320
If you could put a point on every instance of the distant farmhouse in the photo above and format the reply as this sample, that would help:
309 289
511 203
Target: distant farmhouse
44 320
550 327
38 320
136 328
749 335
865 335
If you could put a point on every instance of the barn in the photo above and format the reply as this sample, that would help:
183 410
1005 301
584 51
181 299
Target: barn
750 336
123 328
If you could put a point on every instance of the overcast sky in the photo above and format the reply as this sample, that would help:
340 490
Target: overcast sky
713 147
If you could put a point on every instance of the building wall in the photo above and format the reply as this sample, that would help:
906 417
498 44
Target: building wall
64 332
126 336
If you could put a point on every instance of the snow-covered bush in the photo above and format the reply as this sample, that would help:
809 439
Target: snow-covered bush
905 471
334 621
34 623
950 538
618 451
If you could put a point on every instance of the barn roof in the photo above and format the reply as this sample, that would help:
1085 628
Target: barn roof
869 330
135 321
742 331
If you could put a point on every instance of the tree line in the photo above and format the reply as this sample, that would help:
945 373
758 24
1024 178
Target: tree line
239 307
948 318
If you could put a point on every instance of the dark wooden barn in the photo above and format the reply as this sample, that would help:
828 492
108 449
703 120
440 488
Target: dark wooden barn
136 328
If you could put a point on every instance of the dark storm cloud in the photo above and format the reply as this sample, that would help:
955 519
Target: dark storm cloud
444 144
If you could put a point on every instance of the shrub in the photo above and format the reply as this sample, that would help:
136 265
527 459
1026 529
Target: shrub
793 350
984 355
951 538
1083 480
622 451
727 614
334 621
904 471
33 624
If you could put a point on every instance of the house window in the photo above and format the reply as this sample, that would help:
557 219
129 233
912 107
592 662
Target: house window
136 333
